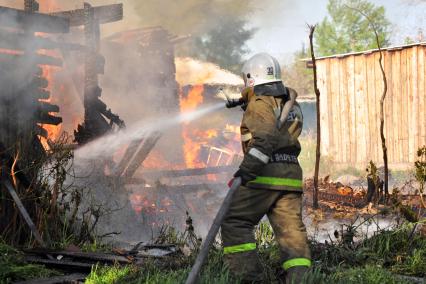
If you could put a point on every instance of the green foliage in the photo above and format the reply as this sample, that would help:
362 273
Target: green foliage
347 30
366 275
420 170
13 267
297 76
225 45
106 275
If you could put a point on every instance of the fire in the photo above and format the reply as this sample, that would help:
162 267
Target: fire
11 51
47 73
194 99
49 6
191 149
345 190
12 170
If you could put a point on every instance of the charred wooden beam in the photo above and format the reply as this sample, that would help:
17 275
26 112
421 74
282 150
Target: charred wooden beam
124 162
18 19
105 14
188 172
95 111
61 264
44 118
23 211
47 107
142 154
70 278
21 41
40 131
23 59
188 188
91 256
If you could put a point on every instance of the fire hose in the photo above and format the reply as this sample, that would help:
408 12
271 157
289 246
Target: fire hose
211 235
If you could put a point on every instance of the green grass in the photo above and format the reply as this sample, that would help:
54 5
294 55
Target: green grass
374 260
365 275
13 267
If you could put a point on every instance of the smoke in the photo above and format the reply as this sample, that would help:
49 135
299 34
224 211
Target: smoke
192 72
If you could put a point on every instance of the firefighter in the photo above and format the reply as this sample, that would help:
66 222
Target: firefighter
271 176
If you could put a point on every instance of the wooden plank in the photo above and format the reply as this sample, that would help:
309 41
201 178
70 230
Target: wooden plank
405 105
83 256
21 41
187 172
351 95
344 107
397 107
359 108
61 264
23 211
126 159
142 154
329 111
335 109
35 22
414 112
372 110
105 14
422 95
70 278
322 86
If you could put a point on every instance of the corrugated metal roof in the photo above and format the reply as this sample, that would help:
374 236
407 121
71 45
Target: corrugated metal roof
369 51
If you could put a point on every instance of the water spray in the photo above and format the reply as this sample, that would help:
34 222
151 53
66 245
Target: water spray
108 144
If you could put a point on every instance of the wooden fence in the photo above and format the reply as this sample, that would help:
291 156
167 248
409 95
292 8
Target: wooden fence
351 86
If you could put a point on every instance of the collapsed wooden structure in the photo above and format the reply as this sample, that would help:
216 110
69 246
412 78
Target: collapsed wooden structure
25 108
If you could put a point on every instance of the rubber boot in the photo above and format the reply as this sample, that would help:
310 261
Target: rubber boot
245 266
295 274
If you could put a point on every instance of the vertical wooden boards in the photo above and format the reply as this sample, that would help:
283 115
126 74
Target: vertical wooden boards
373 117
343 111
395 85
405 101
352 111
336 119
360 109
332 145
322 86
421 116
351 89
414 112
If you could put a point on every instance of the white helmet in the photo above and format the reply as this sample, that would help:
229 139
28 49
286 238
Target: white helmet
260 69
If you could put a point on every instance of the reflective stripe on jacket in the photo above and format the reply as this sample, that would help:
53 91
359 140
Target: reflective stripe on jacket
269 152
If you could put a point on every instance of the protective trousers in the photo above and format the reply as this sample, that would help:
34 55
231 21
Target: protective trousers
248 207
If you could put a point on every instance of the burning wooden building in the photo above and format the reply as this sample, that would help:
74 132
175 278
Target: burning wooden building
32 49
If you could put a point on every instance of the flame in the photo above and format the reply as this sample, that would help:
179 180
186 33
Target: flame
48 6
11 51
191 149
345 190
12 170
53 131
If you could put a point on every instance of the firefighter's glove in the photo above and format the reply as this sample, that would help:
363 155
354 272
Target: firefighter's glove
245 176
231 103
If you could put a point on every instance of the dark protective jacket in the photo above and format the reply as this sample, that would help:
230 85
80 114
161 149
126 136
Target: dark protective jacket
271 153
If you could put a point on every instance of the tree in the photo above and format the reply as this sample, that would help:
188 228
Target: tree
317 95
297 76
224 45
347 31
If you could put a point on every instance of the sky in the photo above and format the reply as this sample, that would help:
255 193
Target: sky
283 27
